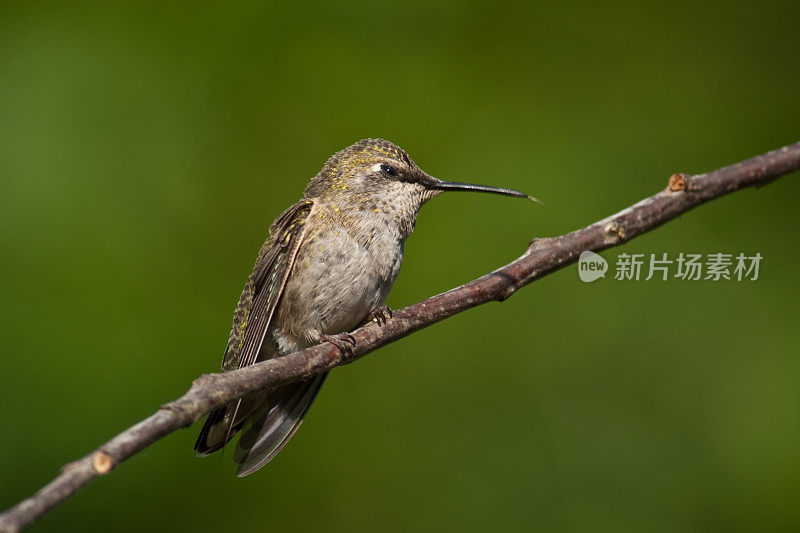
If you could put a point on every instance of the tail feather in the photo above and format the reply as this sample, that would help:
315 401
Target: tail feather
274 423
220 426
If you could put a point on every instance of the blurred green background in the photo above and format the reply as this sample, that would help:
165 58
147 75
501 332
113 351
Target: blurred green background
145 149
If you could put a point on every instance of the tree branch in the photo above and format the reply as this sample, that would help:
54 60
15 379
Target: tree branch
542 257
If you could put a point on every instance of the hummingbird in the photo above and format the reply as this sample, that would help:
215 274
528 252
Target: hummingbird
326 268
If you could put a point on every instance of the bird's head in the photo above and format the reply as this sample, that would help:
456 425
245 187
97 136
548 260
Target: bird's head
376 175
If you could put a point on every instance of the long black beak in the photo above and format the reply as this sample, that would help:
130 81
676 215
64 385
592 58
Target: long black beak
432 183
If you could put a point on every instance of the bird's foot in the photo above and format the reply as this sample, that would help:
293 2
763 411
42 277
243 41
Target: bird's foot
344 341
379 315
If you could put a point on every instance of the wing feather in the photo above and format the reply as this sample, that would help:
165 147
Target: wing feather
253 318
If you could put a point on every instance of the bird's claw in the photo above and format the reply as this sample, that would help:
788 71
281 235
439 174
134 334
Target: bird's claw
344 341
379 315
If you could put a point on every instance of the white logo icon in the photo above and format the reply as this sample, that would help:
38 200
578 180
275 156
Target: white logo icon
591 266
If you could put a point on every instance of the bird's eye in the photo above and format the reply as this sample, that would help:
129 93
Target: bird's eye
389 171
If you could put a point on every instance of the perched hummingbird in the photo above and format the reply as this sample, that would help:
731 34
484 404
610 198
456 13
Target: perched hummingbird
326 267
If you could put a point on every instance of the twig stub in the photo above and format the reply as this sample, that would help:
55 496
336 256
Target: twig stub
102 462
677 182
